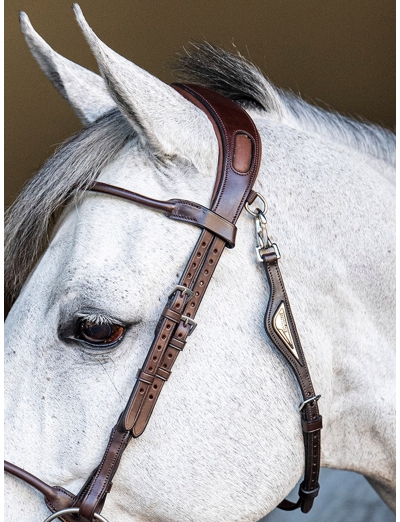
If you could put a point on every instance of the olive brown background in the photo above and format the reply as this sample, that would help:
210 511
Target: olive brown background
338 53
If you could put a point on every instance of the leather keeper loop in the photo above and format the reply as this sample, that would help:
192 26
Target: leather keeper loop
172 315
312 425
191 212
144 377
270 257
308 495
163 374
177 344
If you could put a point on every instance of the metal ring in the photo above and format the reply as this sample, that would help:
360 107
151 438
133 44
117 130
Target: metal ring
255 214
67 511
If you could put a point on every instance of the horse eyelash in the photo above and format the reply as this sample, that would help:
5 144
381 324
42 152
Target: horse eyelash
98 318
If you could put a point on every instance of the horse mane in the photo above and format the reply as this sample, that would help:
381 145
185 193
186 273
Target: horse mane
237 78
79 161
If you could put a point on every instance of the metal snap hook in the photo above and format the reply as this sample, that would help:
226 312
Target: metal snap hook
67 511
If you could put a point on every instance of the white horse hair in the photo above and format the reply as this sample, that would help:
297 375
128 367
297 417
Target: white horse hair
224 442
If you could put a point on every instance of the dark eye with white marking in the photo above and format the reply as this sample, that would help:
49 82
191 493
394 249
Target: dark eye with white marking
98 334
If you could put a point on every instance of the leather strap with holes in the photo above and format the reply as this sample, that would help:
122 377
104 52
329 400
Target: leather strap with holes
280 326
239 160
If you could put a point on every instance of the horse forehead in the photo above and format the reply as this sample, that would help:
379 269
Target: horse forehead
119 254
136 169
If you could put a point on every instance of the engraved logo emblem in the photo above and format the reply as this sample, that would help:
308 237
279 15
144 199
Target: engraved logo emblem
281 326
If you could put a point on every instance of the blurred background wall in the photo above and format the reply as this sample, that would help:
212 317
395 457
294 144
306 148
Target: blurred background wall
339 53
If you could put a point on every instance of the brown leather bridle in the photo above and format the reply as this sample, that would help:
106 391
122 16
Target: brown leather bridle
238 165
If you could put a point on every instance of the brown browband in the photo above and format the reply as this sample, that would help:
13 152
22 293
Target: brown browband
177 209
239 160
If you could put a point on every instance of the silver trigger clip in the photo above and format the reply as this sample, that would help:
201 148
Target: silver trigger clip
260 221
264 243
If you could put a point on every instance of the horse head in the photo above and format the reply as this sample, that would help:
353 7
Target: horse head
224 442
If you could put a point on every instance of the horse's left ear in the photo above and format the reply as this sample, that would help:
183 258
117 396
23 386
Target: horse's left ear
165 121
84 90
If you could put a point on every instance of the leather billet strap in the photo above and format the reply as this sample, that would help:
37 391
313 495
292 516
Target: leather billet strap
280 326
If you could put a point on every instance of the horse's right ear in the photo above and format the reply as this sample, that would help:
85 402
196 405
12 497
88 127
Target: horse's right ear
84 90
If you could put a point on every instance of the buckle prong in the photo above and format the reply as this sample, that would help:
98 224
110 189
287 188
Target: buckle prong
183 289
311 399
188 320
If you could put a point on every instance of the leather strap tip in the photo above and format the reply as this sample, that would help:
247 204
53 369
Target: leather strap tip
136 432
306 506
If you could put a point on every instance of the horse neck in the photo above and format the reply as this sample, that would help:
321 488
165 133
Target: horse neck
331 211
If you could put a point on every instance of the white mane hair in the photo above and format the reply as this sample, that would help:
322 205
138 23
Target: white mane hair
78 162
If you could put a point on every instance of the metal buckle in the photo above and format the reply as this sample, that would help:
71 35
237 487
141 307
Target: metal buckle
188 320
311 399
183 289
255 212
96 516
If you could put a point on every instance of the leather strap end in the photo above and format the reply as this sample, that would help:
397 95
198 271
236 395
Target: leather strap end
287 505
307 498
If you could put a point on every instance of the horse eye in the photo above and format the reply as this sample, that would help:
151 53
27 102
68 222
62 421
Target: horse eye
99 334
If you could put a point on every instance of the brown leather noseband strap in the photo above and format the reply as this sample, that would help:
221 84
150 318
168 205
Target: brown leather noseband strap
239 161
